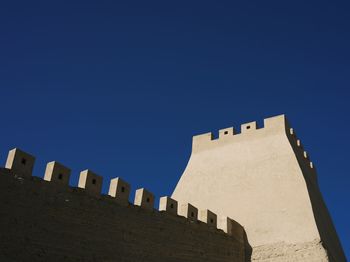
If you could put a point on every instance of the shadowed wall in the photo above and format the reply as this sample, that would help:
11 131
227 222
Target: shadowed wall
43 221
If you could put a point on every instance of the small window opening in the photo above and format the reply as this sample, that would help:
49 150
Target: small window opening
123 189
248 127
24 161
226 132
60 176
147 199
211 221
192 214
94 181
171 205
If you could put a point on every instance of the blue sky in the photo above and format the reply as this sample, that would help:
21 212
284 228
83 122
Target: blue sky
120 88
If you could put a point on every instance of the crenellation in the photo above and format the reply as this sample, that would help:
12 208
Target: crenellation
203 137
200 142
189 211
208 217
20 162
144 199
119 190
278 122
248 127
168 204
292 132
91 182
231 227
67 225
57 173
300 148
225 223
226 133
206 141
299 144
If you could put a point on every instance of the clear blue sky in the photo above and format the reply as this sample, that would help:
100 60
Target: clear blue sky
120 87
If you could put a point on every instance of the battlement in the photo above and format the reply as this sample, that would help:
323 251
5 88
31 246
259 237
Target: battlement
302 156
251 131
201 142
119 190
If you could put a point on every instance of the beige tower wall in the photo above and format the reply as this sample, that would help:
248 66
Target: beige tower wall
262 179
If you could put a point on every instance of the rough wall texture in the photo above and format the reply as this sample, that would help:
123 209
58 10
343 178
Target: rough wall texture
264 180
302 252
42 221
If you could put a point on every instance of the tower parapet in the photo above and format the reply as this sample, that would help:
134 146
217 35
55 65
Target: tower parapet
229 135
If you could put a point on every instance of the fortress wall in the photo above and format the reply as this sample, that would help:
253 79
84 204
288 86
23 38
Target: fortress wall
323 219
261 177
266 184
253 177
49 221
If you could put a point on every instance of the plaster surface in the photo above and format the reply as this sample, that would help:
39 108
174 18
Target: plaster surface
262 179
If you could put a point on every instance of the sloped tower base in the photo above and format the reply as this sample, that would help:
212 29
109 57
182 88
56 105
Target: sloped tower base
264 180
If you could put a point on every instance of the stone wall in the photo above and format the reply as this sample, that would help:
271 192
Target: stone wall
312 251
45 221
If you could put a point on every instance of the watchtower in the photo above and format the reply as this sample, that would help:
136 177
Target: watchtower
263 179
